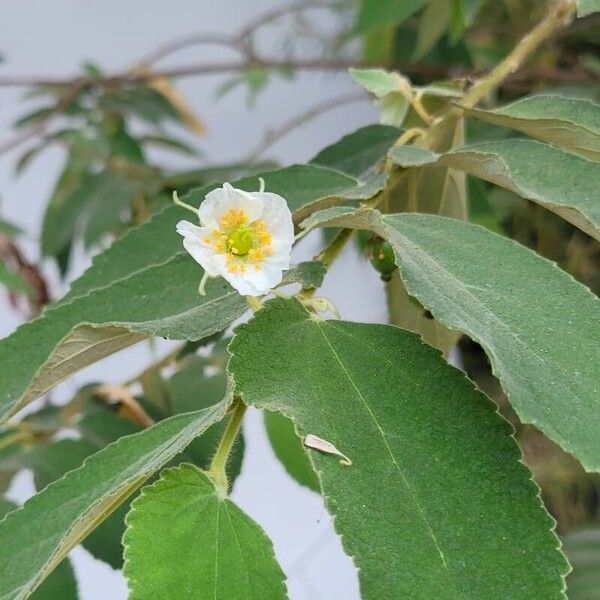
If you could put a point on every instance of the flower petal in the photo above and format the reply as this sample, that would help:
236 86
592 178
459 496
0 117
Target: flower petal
250 282
256 278
278 216
185 228
220 200
278 260
263 279
236 280
202 253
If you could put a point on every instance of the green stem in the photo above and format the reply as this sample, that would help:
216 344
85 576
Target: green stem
218 465
413 191
331 252
12 438
328 255
254 303
556 18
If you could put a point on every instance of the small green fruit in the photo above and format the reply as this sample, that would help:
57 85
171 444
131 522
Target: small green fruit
381 256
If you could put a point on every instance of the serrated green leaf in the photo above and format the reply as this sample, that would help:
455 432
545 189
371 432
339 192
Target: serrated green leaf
213 549
441 89
587 7
391 90
6 506
432 26
306 188
228 86
409 314
26 158
572 123
184 181
83 150
60 584
256 79
99 425
39 114
309 274
68 509
289 450
143 102
170 143
377 14
378 81
49 463
481 211
95 204
11 458
433 190
146 284
191 389
564 183
161 300
462 15
456 21
359 153
123 145
526 313
412 156
436 484
393 109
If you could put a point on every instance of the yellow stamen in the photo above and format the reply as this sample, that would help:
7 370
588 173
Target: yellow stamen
242 242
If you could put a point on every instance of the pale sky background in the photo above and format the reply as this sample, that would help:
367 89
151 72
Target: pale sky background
53 38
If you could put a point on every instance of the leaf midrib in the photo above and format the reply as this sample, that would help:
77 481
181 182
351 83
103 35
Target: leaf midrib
412 492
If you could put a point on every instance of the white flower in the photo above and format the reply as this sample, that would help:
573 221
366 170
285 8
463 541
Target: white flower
245 237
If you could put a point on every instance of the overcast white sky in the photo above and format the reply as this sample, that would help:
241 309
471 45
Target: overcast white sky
53 38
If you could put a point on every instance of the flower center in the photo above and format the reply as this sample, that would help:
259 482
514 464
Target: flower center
241 240
244 244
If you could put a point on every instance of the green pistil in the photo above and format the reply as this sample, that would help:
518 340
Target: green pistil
241 240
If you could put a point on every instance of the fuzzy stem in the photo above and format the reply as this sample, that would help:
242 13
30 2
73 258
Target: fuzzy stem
218 465
556 18
331 252
409 134
328 256
254 303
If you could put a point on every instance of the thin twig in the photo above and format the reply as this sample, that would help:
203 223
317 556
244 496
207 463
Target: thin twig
205 68
557 18
42 125
315 64
188 41
504 73
274 135
235 42
282 11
